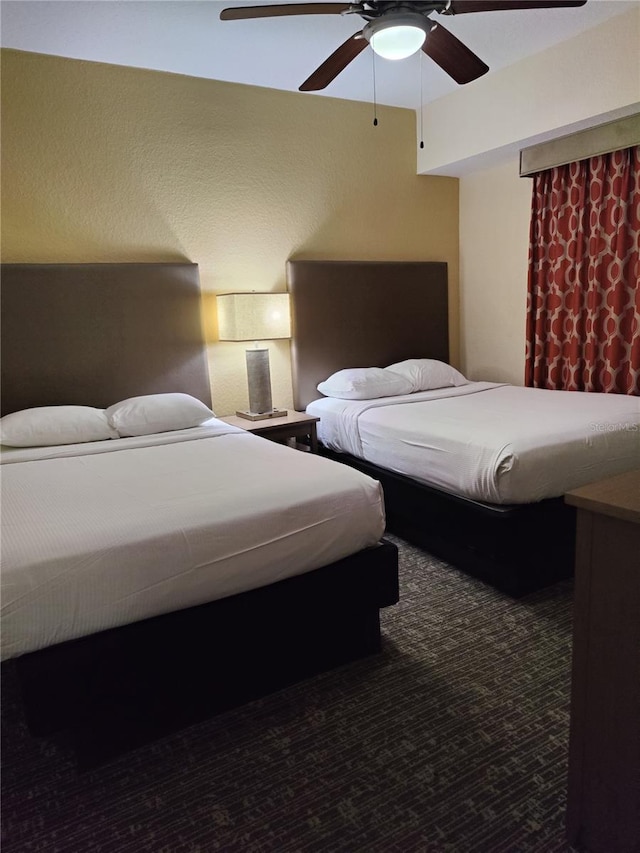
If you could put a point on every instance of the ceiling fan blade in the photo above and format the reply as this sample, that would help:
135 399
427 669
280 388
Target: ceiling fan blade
337 62
241 12
453 56
460 7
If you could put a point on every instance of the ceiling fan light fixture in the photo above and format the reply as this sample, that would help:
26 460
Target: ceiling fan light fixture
397 36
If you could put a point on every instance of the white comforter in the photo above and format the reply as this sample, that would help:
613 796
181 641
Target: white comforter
501 444
102 534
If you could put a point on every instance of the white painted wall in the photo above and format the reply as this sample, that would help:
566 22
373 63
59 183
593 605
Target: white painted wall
584 81
477 133
494 239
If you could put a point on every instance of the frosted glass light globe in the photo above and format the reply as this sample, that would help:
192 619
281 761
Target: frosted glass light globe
397 42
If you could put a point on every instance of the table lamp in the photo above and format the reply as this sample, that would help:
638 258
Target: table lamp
252 316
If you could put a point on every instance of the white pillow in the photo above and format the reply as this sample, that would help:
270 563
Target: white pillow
45 426
157 413
426 374
364 383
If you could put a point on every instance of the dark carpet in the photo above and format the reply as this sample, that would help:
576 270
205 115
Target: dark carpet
452 740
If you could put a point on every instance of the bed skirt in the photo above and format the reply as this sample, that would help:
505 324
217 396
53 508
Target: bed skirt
517 549
112 691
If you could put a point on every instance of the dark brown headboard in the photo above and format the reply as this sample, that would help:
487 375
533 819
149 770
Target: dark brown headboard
94 334
363 314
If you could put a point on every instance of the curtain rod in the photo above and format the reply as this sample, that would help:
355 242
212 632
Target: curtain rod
611 136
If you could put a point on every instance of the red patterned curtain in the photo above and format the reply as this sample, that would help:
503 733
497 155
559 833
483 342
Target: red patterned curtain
583 303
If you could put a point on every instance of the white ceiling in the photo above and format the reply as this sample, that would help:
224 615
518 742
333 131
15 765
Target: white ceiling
187 37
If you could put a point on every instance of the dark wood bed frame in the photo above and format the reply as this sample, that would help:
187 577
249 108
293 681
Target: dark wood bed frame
93 334
371 314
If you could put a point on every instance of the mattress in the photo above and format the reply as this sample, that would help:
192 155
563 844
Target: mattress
500 444
102 534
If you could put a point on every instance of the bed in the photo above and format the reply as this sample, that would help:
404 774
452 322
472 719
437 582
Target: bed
154 579
482 486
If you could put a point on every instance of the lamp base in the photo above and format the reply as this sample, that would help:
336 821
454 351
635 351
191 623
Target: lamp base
261 416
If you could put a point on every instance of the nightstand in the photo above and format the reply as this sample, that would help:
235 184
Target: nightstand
286 430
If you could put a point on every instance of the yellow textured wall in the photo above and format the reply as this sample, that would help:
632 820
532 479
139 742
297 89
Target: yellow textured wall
103 163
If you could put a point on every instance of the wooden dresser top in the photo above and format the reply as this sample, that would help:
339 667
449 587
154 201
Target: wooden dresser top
617 496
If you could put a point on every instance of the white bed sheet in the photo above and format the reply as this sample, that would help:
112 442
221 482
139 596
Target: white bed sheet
108 533
501 444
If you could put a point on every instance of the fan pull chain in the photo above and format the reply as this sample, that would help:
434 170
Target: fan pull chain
421 101
375 106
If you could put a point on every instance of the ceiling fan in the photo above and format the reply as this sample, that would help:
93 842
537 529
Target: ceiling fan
395 29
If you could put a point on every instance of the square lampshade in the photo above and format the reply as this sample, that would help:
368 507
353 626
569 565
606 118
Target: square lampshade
253 316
